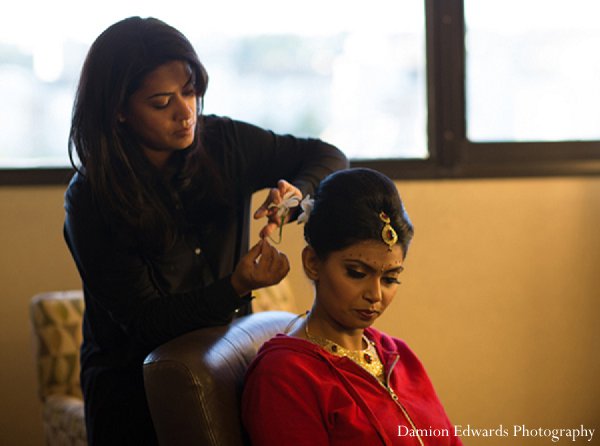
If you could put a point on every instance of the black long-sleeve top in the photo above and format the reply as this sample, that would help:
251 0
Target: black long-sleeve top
135 301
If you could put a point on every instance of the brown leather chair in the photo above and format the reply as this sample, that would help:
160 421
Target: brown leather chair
194 382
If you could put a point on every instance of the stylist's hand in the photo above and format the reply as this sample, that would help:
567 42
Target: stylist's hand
275 197
262 266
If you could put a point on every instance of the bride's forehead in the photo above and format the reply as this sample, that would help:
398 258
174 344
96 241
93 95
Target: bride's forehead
374 254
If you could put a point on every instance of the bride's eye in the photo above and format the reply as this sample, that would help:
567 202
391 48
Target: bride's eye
391 281
355 274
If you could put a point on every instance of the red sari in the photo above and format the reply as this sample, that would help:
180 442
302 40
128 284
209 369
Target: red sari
298 394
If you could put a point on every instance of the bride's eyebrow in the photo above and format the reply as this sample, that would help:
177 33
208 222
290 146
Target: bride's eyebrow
398 269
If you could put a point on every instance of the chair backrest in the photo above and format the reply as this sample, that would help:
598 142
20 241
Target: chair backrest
194 382
56 318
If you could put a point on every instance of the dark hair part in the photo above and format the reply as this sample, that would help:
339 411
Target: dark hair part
123 181
346 211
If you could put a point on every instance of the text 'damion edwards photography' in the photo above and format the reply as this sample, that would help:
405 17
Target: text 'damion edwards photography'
518 432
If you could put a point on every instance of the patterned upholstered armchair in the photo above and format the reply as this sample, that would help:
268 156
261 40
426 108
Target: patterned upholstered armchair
56 318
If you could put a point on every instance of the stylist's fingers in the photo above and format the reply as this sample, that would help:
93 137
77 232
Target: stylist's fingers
254 253
262 266
274 196
268 229
263 263
273 265
281 266
291 195
241 278
285 187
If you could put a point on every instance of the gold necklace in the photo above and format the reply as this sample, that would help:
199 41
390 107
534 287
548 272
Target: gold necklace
367 358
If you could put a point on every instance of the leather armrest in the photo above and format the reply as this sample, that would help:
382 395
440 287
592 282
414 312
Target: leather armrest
194 382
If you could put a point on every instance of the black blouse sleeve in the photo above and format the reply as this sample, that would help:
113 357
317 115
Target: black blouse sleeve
263 157
120 281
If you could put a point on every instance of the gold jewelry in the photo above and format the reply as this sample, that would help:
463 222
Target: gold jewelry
388 233
186 123
367 358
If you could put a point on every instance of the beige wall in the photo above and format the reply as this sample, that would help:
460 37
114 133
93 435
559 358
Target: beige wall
499 299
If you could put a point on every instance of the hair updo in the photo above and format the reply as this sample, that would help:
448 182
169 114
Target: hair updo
346 210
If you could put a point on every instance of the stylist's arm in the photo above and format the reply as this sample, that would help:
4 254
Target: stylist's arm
262 266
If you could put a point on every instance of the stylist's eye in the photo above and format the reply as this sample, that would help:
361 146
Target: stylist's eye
161 105
355 274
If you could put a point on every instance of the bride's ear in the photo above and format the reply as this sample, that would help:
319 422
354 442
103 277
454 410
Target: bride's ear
310 262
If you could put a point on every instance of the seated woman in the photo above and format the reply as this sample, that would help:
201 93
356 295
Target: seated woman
335 380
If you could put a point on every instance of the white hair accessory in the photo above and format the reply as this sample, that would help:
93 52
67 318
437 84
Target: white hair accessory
289 201
307 204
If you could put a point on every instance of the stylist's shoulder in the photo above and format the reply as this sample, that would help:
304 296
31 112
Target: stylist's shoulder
332 156
78 192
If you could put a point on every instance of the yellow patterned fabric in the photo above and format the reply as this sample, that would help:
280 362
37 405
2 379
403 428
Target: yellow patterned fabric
57 319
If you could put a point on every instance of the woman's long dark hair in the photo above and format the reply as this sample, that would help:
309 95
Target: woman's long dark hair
346 211
124 184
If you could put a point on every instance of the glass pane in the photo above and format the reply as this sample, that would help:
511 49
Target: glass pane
347 73
532 70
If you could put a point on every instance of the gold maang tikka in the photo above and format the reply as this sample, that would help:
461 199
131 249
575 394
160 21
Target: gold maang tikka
388 233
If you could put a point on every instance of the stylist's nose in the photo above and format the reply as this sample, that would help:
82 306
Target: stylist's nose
373 291
184 110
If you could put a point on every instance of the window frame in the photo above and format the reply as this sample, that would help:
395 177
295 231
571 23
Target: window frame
466 158
451 153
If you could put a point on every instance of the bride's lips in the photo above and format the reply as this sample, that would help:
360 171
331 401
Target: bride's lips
367 315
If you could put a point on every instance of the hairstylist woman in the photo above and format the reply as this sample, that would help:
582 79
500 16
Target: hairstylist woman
157 215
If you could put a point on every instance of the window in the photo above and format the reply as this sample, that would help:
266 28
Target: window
416 89
469 65
357 81
532 75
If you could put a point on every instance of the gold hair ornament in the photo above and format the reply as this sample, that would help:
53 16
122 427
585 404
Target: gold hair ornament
388 233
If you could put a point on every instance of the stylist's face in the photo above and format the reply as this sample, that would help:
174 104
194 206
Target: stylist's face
162 112
354 286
